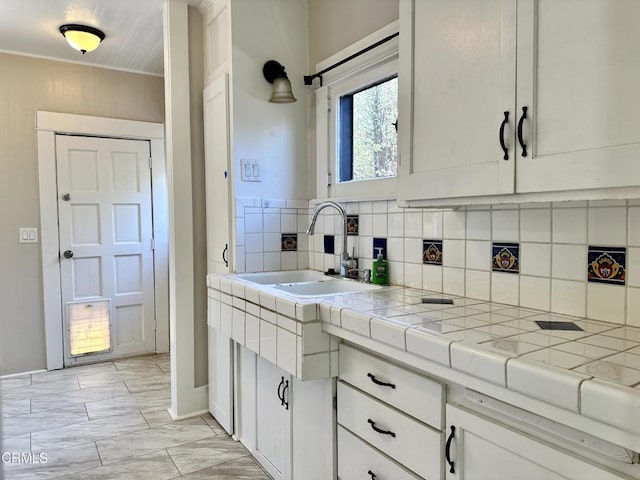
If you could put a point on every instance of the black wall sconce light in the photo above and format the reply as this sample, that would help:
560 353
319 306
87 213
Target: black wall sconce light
274 73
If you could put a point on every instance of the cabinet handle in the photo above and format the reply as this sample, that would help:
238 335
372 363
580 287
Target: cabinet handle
284 392
281 395
501 136
447 449
225 254
373 475
379 430
378 382
520 138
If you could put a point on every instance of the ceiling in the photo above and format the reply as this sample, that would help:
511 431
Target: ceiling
133 30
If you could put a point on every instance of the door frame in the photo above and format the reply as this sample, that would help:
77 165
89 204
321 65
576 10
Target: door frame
48 124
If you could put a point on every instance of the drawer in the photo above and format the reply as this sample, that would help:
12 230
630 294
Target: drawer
412 393
357 458
409 442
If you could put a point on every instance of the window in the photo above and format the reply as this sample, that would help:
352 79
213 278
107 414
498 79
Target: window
356 111
366 135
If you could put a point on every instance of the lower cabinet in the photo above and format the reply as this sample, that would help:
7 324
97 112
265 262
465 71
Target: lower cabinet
384 431
358 460
221 379
287 424
273 419
481 449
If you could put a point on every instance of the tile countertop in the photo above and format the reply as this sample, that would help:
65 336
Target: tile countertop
594 372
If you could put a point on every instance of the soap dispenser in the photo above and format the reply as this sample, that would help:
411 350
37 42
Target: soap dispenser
380 269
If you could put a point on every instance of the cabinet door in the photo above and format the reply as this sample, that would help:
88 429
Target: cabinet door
216 152
578 76
484 450
457 80
273 430
221 379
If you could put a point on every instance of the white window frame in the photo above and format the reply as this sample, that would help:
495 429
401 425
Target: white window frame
372 67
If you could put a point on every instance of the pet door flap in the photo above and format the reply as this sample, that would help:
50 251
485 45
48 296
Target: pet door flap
89 327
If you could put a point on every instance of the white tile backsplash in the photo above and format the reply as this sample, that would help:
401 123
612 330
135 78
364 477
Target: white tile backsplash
634 226
453 281
432 224
505 225
454 224
478 225
432 278
606 302
413 224
569 225
553 240
569 262
535 292
453 254
272 222
535 225
413 250
379 225
478 284
535 259
633 307
608 226
568 297
505 288
395 224
478 255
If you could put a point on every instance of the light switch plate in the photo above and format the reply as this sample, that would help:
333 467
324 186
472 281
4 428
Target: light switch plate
28 235
250 170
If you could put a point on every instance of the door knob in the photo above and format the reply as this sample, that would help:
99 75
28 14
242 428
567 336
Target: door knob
68 254
66 197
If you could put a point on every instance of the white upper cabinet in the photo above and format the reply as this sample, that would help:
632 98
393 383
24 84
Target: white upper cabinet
572 64
457 83
578 74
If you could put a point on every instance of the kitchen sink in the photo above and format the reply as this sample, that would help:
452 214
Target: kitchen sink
306 283
324 288
288 276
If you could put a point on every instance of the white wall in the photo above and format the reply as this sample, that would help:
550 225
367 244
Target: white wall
333 26
276 134
27 85
336 24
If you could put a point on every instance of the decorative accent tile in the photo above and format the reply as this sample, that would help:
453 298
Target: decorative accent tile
353 222
607 265
506 257
432 252
329 244
379 243
289 242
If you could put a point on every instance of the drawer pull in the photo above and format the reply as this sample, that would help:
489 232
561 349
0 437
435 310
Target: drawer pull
378 382
373 475
505 149
281 395
520 137
379 430
447 449
285 391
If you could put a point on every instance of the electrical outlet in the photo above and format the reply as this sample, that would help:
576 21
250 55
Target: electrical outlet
250 170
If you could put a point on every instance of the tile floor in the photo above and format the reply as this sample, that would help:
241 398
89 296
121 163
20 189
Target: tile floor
109 421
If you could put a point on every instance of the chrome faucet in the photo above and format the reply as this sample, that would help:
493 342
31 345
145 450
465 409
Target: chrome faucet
346 262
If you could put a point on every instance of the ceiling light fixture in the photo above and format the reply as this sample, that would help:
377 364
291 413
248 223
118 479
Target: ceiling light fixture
81 37
274 73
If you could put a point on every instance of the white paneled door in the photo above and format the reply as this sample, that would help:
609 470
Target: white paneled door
106 247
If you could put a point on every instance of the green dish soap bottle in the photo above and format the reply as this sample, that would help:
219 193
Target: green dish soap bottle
380 269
